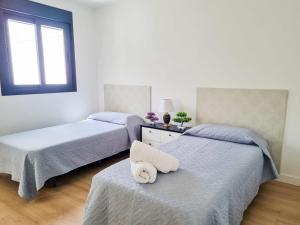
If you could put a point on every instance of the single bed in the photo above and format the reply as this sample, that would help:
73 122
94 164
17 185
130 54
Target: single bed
33 157
219 176
214 185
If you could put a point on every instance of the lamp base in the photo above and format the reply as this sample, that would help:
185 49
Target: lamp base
167 119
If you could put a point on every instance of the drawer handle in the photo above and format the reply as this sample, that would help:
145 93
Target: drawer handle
150 144
150 131
170 135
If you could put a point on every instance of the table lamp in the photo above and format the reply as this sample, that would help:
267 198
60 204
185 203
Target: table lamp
166 106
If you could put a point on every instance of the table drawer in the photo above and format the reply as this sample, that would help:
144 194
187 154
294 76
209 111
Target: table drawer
167 136
151 134
151 142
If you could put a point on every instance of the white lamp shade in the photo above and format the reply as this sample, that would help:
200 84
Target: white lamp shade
166 105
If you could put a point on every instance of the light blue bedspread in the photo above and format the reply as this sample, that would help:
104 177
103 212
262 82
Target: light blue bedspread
216 182
33 157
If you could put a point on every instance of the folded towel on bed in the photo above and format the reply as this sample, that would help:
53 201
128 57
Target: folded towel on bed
162 161
143 172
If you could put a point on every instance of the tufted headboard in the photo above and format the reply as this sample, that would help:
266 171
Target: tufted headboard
127 98
263 111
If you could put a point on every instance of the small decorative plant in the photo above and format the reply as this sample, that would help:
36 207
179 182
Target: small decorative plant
152 117
182 118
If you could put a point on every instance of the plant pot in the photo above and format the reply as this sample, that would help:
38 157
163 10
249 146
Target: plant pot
180 127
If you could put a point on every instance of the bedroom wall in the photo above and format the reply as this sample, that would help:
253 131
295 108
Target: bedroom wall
176 46
20 113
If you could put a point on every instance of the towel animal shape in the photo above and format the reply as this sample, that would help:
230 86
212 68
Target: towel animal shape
143 156
143 172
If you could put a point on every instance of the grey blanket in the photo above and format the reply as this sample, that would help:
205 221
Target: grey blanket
216 182
33 157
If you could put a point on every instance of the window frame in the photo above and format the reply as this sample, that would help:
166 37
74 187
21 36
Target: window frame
47 16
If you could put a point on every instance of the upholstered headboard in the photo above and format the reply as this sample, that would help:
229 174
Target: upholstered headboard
127 98
263 111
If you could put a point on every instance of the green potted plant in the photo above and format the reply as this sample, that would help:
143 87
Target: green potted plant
181 117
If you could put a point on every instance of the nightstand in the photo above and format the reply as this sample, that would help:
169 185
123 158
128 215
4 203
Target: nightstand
157 134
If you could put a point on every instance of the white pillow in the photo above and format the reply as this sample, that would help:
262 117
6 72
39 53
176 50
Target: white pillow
111 117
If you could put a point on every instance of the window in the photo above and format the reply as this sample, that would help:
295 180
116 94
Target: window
36 49
23 50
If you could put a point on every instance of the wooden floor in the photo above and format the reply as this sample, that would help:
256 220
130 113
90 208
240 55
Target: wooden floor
276 203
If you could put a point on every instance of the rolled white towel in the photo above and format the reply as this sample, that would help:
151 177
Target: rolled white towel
143 172
140 152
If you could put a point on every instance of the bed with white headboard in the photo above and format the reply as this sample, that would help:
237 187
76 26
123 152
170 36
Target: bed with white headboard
221 166
263 111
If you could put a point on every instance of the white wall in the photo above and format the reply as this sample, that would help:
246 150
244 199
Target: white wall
178 45
19 113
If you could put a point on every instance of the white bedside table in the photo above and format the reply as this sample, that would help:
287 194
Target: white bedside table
158 134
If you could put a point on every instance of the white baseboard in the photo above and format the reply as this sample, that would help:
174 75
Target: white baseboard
289 179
